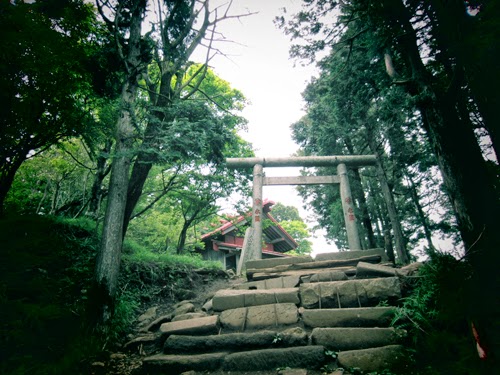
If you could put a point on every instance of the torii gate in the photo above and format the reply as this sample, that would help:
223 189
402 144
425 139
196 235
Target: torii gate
252 247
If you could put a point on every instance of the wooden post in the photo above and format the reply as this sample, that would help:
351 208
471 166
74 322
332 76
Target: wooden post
257 214
348 208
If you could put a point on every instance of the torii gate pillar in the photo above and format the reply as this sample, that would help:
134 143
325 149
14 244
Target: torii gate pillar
255 250
348 208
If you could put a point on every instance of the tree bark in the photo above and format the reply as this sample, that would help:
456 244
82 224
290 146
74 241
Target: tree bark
96 191
420 212
107 269
361 199
399 240
467 182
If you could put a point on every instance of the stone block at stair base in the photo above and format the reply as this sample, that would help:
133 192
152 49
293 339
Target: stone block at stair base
390 357
350 317
366 270
232 299
198 326
176 364
265 316
267 263
356 338
350 293
343 255
271 359
235 341
328 276
279 282
187 316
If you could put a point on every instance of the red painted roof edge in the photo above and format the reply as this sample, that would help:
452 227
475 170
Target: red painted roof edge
271 217
267 202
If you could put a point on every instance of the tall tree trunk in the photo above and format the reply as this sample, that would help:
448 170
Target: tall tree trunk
467 182
96 191
8 171
385 232
458 34
109 256
359 195
420 212
399 240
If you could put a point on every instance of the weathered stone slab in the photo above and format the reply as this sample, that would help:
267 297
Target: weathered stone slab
149 314
265 316
207 306
411 269
267 263
176 364
350 317
328 276
342 255
148 340
257 360
350 293
231 299
153 326
292 371
187 316
335 264
279 282
235 341
350 271
365 270
198 326
184 308
356 338
374 359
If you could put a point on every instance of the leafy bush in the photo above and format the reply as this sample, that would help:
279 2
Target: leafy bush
435 314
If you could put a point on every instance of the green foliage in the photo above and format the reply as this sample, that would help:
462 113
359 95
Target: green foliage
46 78
435 314
289 219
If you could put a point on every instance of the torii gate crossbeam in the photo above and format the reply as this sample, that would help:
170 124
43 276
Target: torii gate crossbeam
253 238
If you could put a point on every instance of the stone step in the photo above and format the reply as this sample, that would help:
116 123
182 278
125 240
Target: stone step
391 357
350 293
227 299
334 275
257 317
254 360
279 282
335 264
367 270
311 357
197 326
173 364
259 276
343 255
269 263
356 338
231 342
349 317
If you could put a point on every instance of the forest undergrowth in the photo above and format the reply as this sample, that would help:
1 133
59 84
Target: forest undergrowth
46 266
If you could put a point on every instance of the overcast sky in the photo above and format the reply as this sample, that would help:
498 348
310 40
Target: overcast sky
258 65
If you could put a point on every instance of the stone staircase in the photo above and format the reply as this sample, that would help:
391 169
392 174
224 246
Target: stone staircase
299 313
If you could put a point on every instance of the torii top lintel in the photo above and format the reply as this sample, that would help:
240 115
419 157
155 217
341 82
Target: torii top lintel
304 161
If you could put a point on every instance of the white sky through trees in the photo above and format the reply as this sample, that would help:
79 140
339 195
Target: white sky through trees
257 63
